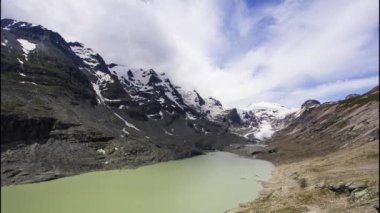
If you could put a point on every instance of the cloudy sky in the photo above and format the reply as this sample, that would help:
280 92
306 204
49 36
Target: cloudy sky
237 51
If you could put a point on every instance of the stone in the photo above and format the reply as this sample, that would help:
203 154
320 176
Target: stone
360 195
351 96
310 103
339 187
322 184
354 186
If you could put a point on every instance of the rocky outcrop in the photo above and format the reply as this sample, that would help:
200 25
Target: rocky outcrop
28 130
310 103
351 96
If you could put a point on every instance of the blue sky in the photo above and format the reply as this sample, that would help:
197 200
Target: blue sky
237 51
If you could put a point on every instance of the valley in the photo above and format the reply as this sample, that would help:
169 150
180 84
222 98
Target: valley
67 112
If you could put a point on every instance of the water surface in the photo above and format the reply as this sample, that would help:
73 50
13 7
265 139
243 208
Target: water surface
209 183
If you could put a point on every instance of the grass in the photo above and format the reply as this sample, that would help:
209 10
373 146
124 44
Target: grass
285 193
13 76
360 100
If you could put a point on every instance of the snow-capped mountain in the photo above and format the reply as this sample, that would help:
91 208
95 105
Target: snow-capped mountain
269 117
157 96
148 88
61 99
257 121
144 94
208 107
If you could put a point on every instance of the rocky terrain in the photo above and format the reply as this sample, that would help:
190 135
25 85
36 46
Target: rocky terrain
327 159
65 111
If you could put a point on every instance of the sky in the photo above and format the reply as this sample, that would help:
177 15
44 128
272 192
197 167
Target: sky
238 51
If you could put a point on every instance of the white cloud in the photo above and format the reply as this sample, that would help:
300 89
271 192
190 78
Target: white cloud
281 52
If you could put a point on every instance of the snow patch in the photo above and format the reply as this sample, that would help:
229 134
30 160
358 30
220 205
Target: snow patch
28 82
190 117
112 100
104 77
86 54
101 151
4 43
126 122
27 46
125 131
172 98
19 61
168 133
97 91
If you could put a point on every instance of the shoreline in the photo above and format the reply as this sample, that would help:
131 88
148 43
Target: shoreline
50 175
343 181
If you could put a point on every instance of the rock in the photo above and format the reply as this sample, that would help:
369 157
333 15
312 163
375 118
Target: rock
346 187
322 185
351 96
302 182
360 195
256 152
310 103
233 116
272 150
101 151
338 187
354 186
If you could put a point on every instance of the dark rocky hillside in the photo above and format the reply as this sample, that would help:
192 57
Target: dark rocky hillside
65 111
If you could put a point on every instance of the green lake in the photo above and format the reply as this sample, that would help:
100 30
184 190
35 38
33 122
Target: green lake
209 183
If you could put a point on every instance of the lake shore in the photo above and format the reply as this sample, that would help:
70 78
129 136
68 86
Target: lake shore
208 183
343 181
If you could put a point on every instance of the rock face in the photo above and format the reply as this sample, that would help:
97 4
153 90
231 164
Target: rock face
351 96
310 103
61 102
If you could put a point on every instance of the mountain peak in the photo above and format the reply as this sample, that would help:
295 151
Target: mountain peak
75 44
7 24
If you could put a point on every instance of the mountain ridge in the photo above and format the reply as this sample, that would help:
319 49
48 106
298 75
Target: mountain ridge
64 112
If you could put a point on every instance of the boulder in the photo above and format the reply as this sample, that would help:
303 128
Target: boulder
351 96
360 195
310 103
354 186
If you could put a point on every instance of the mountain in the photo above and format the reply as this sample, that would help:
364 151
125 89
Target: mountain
326 157
65 111
257 122
328 127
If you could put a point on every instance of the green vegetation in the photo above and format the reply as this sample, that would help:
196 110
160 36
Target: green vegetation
360 100
10 76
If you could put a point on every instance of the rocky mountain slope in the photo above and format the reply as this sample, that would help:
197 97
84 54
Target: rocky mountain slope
65 111
329 127
327 159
